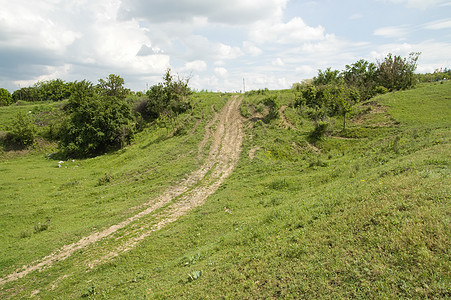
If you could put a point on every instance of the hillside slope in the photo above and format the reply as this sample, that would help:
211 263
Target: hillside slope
360 213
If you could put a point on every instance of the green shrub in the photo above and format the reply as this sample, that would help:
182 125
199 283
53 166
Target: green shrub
97 125
273 104
380 90
5 97
321 128
22 132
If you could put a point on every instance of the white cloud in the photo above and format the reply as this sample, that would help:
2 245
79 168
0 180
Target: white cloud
197 65
439 24
293 32
269 42
391 32
433 54
221 72
305 69
50 72
278 62
250 48
29 24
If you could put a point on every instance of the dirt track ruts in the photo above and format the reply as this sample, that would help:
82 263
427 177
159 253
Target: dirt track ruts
176 201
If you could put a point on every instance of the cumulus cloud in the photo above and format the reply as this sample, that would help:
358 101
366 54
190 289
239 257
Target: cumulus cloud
278 62
295 31
71 33
250 48
221 72
433 54
197 65
269 42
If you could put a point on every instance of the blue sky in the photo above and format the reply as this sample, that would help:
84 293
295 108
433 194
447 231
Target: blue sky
269 43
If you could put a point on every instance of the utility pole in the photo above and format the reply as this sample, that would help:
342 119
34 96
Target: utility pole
244 86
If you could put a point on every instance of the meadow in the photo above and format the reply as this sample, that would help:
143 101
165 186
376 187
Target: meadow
360 213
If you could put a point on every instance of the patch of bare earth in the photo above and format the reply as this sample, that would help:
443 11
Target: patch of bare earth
192 192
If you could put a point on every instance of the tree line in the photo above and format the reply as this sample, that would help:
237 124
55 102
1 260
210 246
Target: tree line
334 92
97 118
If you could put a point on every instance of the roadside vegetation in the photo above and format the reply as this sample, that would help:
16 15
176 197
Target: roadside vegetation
341 191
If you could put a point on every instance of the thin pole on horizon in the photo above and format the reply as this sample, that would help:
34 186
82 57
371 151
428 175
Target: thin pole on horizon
244 86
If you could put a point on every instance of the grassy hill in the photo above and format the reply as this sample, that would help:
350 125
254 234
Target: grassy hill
357 213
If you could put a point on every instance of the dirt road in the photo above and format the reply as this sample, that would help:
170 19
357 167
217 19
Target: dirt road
176 201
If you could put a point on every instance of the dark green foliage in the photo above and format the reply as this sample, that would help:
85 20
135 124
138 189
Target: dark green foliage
319 131
113 86
22 132
51 90
272 102
170 98
397 73
257 92
5 97
81 91
362 75
29 94
437 75
327 77
97 124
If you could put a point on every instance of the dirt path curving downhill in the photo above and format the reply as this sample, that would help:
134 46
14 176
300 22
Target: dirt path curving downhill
191 192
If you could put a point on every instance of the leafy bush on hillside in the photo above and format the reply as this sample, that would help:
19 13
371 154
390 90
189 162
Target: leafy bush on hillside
272 102
5 97
22 132
98 122
168 99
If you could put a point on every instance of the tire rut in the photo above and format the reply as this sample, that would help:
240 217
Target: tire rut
191 192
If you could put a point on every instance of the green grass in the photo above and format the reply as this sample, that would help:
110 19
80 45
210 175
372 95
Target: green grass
366 216
423 106
38 110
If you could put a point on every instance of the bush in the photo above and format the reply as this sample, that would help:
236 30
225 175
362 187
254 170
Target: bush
98 124
170 98
397 73
273 104
22 132
321 128
5 97
380 90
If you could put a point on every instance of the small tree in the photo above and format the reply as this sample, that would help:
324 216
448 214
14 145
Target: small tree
397 73
5 97
170 98
363 76
328 76
81 92
113 86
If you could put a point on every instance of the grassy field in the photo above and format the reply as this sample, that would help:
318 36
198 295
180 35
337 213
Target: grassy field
361 213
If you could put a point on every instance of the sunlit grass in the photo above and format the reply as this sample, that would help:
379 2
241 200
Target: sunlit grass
362 214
